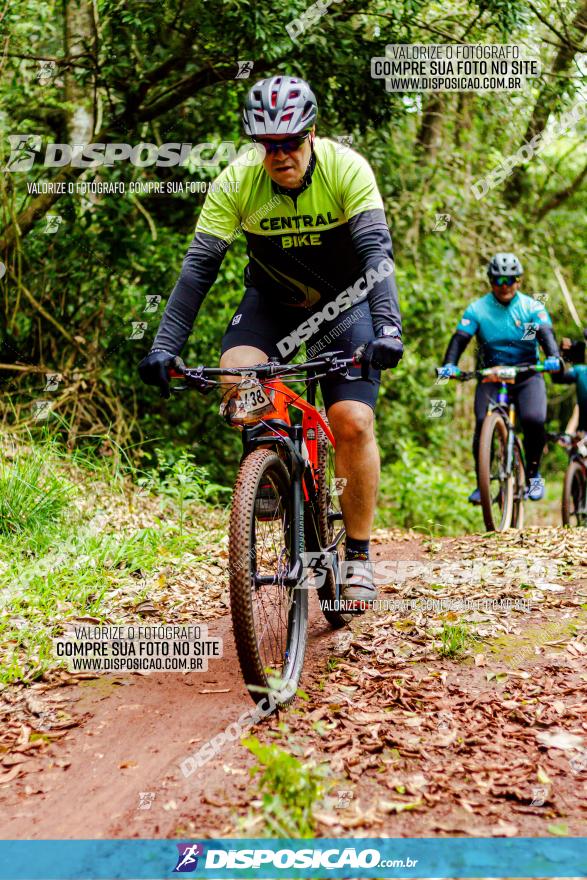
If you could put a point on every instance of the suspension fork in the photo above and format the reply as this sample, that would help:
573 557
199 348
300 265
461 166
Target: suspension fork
297 478
290 439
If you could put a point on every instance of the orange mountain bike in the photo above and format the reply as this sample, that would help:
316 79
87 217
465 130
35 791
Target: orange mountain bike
285 502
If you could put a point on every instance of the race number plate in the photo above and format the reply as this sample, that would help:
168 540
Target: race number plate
254 399
249 401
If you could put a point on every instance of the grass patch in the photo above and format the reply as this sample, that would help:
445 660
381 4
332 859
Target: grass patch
289 789
89 542
455 639
32 495
419 493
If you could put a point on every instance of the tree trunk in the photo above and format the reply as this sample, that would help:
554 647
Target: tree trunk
80 39
429 135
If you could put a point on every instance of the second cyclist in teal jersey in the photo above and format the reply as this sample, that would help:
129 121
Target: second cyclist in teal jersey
320 260
509 327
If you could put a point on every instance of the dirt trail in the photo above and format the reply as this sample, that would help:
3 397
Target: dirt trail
134 731
373 715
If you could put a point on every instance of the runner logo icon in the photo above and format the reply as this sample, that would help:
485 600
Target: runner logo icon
187 860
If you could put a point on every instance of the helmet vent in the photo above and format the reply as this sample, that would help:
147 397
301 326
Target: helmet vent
279 105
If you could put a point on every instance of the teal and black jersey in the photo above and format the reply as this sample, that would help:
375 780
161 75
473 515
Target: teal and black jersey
304 246
506 334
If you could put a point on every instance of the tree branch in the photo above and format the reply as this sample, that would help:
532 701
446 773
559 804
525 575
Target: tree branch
166 101
558 198
564 38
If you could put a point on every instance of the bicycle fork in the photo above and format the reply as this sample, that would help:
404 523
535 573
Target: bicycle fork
511 440
290 438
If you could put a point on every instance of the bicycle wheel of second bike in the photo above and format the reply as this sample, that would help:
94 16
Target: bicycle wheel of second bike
574 492
269 618
495 485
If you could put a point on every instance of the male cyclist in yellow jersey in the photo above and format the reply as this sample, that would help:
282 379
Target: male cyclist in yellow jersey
315 227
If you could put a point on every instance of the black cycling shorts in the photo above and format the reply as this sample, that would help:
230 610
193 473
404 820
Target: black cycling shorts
262 323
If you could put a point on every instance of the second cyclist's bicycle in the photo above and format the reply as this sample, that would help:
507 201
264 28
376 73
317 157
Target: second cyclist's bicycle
502 471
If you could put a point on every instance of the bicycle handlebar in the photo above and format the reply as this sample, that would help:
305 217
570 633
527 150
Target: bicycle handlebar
500 372
202 378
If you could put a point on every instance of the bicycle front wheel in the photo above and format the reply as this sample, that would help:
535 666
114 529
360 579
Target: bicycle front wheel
519 487
269 617
496 484
574 496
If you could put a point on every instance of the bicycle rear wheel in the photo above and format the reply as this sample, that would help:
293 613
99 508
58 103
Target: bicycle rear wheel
495 484
269 618
574 500
329 524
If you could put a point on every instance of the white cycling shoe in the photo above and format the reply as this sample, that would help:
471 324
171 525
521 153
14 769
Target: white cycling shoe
358 591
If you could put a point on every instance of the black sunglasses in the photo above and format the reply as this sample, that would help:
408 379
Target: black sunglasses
500 280
289 145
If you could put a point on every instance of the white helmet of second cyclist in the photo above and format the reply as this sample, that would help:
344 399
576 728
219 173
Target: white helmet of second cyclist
504 264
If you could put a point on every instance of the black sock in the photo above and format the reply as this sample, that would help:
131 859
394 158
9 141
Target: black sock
356 548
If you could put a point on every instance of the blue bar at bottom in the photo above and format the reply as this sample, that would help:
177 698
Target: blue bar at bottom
226 859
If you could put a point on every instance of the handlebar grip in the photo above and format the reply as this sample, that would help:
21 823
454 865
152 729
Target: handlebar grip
177 368
358 359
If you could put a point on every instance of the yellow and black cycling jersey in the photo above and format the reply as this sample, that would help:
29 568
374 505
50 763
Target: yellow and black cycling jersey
305 246
300 247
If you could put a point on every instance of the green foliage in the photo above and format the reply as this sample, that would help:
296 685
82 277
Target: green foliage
32 495
455 639
420 493
166 73
289 789
180 481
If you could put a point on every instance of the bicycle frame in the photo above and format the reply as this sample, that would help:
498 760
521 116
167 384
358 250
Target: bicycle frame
298 442
508 413
280 425
279 430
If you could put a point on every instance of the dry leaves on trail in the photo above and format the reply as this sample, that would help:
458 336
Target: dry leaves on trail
422 739
30 720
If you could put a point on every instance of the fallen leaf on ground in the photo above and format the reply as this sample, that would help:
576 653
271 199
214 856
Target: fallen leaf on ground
559 739
398 806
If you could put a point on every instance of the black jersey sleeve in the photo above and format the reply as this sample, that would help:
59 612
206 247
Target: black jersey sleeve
198 274
372 241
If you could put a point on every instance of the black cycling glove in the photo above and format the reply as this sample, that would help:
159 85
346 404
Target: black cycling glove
385 351
153 369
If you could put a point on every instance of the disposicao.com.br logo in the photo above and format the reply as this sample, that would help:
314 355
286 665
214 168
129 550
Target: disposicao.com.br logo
26 150
286 859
